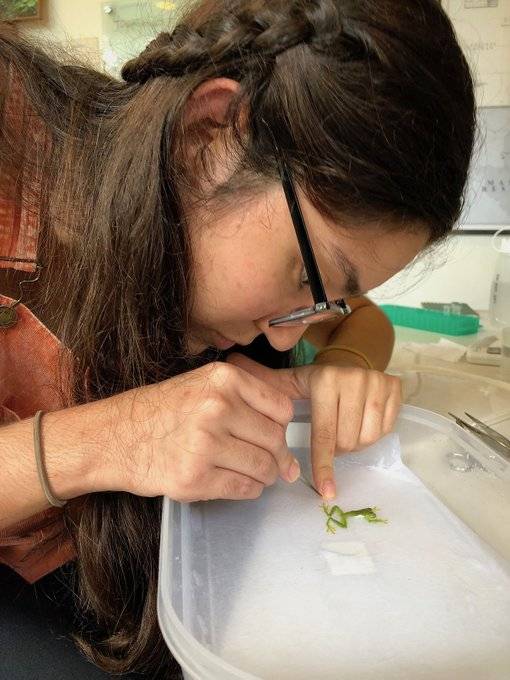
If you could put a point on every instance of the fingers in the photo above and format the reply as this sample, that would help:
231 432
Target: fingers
376 398
324 439
294 383
381 410
252 428
255 412
234 486
354 387
240 472
393 405
351 409
224 484
259 395
250 461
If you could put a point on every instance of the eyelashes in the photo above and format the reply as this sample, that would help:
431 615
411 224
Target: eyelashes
303 281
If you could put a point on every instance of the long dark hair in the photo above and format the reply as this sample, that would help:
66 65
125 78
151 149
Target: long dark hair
372 103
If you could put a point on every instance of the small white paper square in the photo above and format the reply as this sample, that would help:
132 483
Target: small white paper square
347 557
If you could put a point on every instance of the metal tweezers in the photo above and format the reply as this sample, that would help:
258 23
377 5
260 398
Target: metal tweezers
307 483
487 434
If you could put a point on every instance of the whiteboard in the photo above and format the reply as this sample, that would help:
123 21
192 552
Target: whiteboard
483 29
488 197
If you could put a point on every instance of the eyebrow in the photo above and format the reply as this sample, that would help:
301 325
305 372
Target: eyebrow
352 285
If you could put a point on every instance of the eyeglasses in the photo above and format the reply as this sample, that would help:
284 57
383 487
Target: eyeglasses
323 309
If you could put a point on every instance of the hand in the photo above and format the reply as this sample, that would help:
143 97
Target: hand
351 408
215 432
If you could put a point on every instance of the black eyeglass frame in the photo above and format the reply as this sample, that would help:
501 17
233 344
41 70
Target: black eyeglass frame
321 304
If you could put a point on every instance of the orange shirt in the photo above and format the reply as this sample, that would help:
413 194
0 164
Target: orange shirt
29 353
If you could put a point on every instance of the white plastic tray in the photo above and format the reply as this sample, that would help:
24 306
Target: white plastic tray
259 590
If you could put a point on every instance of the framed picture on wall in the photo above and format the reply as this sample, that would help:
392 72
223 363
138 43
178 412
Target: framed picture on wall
20 10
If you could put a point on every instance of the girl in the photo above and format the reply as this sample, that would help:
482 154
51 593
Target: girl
266 156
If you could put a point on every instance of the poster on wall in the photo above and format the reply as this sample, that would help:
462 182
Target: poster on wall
483 29
18 10
488 197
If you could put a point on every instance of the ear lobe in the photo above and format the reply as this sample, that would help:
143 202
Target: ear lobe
211 101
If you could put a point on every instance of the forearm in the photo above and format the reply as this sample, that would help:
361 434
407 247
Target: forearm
366 330
71 457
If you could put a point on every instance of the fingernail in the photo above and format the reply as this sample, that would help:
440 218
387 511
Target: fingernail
294 471
328 491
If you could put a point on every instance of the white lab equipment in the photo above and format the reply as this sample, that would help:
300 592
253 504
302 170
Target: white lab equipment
500 290
505 353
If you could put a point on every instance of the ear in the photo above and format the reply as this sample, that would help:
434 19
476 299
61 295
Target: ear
205 117
211 101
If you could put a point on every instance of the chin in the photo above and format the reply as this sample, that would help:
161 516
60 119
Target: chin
195 346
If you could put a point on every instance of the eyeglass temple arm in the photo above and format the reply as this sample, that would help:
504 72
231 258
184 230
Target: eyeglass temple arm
314 277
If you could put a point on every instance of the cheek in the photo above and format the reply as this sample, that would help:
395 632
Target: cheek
249 290
255 289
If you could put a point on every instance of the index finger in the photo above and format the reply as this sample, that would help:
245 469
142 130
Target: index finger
324 436
268 401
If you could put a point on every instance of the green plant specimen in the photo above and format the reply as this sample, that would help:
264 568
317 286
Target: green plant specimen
336 517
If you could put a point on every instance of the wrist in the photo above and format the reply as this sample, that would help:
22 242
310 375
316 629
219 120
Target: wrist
72 452
343 356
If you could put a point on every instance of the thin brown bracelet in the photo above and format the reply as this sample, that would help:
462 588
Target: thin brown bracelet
343 348
43 477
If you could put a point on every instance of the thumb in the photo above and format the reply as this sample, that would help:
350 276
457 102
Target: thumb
294 382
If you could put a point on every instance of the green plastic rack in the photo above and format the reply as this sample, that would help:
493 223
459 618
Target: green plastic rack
429 320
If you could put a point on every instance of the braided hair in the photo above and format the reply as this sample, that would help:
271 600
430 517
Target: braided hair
245 38
352 78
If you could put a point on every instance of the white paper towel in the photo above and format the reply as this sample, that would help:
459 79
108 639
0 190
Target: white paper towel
444 349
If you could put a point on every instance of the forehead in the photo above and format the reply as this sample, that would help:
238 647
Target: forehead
367 256
362 254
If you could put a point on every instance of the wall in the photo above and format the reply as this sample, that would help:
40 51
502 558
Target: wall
63 18
460 271
77 24
468 261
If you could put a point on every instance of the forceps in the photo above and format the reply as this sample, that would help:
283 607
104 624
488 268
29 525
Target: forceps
305 481
487 434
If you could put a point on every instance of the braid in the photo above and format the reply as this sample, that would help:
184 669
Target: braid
169 54
232 41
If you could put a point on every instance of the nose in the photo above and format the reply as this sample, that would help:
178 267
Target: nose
282 338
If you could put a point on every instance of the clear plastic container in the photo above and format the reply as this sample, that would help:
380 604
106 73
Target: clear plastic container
259 590
444 390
